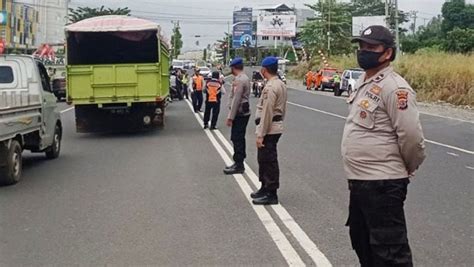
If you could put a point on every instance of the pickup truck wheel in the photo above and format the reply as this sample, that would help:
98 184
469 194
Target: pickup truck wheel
53 151
349 90
11 173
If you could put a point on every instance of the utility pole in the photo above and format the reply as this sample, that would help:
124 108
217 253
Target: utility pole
329 28
414 15
229 37
387 14
397 28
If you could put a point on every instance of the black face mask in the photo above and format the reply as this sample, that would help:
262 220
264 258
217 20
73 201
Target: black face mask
368 59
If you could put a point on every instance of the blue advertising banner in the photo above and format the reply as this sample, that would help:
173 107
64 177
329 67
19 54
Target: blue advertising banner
3 18
242 28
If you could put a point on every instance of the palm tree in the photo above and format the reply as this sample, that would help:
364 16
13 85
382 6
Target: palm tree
82 13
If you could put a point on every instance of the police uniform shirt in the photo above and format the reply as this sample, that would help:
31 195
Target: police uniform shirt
383 138
239 94
272 103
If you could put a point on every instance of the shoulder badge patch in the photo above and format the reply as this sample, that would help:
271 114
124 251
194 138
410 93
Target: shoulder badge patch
402 99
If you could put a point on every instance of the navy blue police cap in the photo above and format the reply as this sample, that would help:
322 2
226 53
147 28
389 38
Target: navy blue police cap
237 61
269 61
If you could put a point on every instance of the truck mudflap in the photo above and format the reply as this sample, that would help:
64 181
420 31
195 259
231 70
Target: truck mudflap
119 117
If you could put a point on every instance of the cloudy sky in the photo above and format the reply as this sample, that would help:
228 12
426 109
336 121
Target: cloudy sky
208 19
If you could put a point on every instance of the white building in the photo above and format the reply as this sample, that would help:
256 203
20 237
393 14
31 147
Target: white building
53 16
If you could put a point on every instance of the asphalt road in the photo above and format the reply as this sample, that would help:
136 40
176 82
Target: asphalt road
160 198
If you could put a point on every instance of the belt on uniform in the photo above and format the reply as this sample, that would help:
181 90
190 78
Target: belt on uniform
276 118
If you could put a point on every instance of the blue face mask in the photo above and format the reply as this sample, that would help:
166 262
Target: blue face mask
368 59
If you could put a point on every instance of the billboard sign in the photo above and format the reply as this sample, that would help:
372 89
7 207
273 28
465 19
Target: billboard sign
361 23
3 18
276 25
242 28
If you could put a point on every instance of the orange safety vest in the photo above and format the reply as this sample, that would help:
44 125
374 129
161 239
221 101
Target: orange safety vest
213 90
198 82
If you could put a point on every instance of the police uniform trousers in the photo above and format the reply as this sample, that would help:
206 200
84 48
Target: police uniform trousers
185 91
238 131
197 100
377 225
268 167
215 108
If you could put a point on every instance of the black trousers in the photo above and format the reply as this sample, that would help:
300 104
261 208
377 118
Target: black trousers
268 167
377 225
239 129
185 91
215 107
197 100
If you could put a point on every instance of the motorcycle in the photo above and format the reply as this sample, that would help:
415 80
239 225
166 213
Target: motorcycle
258 87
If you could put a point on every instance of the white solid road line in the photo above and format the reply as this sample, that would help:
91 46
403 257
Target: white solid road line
306 243
344 99
426 140
66 110
285 247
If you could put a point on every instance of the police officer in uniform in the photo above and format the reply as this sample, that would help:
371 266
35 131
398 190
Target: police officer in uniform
239 115
382 147
213 100
271 110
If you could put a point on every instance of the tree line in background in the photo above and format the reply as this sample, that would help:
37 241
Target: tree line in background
452 31
81 13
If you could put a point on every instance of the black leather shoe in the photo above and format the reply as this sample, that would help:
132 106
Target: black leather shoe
268 199
213 128
259 193
234 169
206 126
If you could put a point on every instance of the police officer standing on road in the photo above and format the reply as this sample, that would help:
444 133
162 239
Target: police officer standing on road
271 110
382 147
239 115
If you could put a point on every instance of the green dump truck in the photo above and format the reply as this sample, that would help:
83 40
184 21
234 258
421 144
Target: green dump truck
117 74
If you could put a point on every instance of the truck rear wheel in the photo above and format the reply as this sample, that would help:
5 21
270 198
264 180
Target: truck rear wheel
53 151
10 173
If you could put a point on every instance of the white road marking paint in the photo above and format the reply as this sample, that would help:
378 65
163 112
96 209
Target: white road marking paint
345 98
452 154
306 243
285 247
66 110
426 140
470 168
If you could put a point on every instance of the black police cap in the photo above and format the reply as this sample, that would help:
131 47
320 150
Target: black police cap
376 35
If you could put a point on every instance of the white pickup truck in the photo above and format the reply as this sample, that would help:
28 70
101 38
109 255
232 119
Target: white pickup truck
29 115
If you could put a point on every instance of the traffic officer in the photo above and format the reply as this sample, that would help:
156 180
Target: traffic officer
337 80
197 86
271 110
213 100
382 147
239 115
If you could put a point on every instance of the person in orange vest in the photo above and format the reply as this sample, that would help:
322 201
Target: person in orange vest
213 100
309 79
318 78
197 85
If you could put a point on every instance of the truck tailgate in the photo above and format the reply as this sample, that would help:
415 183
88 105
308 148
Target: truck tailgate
127 83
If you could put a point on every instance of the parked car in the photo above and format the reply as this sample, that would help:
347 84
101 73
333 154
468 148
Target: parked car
327 79
29 115
349 79
205 71
178 64
59 83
